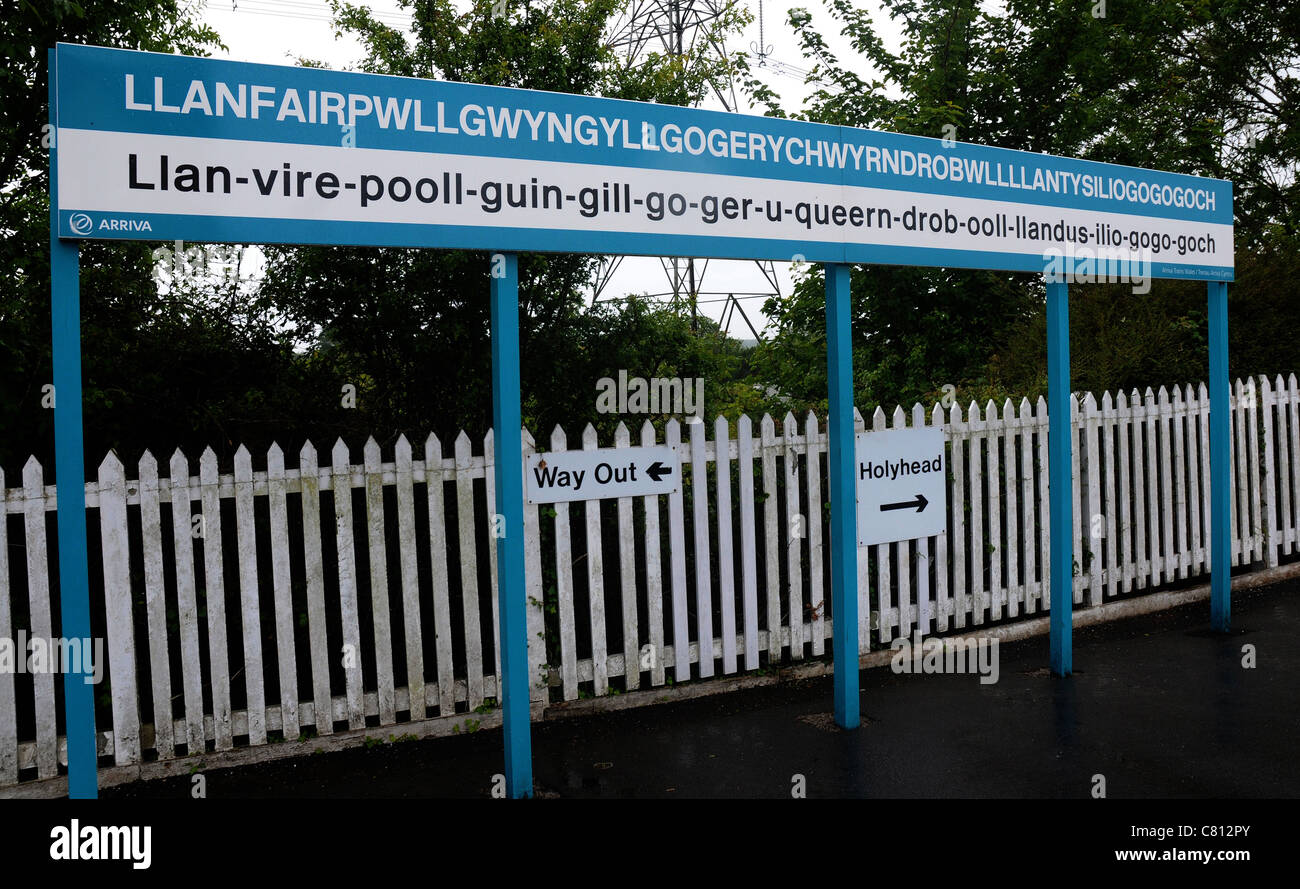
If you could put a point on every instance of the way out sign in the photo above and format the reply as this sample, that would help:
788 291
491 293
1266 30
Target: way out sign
565 476
902 485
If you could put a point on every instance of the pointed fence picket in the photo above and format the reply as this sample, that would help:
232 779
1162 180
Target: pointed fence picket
1178 413
1110 495
490 485
156 605
978 504
534 621
942 601
1010 479
888 615
564 587
187 600
596 582
653 655
771 558
120 622
347 584
794 522
1197 492
700 525
726 561
41 623
627 580
473 632
1289 479
8 693
1093 521
748 539
865 613
1237 461
904 561
322 707
229 658
958 437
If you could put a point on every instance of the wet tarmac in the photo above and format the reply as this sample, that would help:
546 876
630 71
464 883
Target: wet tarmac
1159 707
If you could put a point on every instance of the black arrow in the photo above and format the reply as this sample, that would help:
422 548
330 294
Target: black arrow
919 503
657 470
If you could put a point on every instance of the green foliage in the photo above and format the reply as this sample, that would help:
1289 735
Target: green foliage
1184 85
1181 85
31 27
385 319
202 362
646 339
1125 341
914 330
197 366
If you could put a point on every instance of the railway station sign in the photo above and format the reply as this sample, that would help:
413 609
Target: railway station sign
169 147
565 476
902 484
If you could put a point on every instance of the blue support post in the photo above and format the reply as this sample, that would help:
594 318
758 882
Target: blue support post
1060 483
841 481
70 476
1220 479
511 596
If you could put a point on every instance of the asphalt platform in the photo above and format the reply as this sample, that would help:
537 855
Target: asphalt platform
1158 706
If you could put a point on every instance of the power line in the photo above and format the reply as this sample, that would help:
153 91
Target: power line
317 8
724 296
311 12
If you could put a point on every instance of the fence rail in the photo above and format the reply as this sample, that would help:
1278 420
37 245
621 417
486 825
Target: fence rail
244 606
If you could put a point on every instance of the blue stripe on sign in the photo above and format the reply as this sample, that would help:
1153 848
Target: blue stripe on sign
243 230
94 97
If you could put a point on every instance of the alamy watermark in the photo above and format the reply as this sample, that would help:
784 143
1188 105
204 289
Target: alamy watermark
39 655
655 395
207 262
1084 265
959 655
102 842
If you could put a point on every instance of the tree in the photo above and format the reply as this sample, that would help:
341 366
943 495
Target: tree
643 339
410 328
1180 85
134 338
915 330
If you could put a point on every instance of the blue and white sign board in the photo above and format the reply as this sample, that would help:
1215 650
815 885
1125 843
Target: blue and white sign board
565 476
162 147
902 484
171 147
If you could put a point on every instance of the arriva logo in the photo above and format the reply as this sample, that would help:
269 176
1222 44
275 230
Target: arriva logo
125 225
80 224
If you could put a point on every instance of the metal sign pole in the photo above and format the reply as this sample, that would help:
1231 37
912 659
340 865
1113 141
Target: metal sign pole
841 466
70 476
1220 442
511 596
1060 481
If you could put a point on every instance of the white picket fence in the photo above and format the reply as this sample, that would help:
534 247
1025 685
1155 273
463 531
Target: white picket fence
386 612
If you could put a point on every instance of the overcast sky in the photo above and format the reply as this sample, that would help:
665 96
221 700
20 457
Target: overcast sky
281 31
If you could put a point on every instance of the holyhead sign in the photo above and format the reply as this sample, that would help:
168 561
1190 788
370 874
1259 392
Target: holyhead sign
176 148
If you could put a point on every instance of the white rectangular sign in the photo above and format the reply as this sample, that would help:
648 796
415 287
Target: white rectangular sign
902 484
565 476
